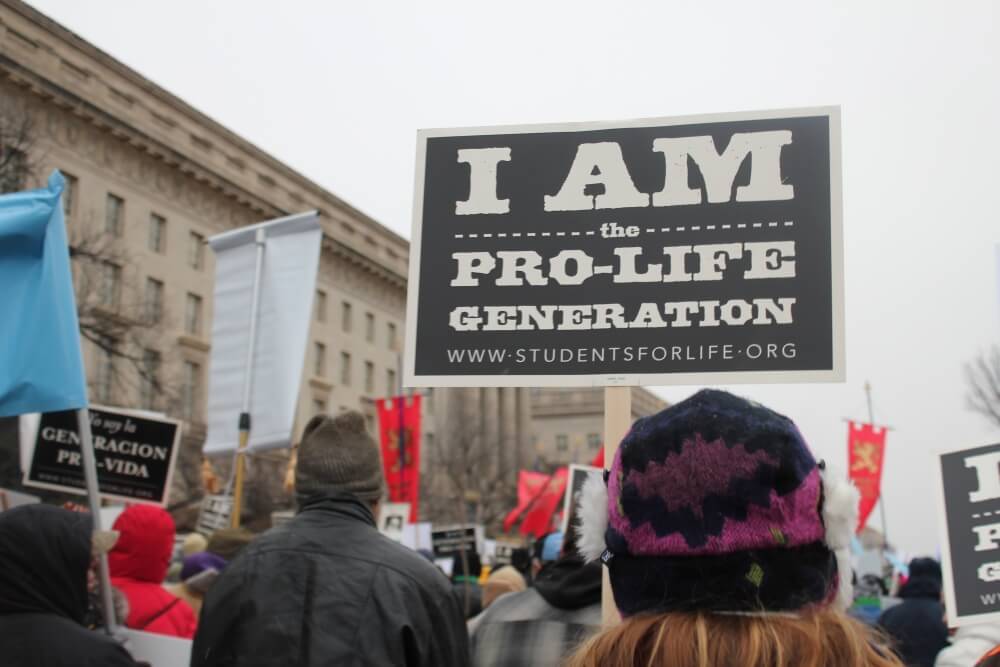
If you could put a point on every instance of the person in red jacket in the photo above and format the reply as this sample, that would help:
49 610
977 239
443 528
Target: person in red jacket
139 562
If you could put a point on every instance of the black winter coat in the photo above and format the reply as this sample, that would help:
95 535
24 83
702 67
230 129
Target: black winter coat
44 558
916 625
327 589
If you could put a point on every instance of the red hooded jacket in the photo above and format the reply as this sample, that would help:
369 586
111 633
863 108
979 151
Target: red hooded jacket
139 563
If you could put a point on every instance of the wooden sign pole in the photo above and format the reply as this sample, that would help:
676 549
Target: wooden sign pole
617 420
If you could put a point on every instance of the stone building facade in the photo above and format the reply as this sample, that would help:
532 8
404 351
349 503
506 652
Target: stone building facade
149 178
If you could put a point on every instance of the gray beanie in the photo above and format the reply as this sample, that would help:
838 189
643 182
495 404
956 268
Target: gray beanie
338 454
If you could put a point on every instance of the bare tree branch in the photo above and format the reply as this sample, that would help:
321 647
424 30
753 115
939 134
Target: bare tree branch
982 376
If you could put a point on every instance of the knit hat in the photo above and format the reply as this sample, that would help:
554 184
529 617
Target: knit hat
338 454
717 504
197 563
500 582
193 543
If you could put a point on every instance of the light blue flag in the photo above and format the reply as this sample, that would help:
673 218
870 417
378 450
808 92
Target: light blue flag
41 368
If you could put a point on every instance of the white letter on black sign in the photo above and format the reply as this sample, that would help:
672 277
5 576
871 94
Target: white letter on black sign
988 473
719 171
987 536
602 164
470 263
483 181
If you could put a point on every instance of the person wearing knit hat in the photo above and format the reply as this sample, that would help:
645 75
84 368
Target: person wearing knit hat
726 543
356 596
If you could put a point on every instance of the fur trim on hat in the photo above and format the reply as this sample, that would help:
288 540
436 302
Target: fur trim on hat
840 516
593 512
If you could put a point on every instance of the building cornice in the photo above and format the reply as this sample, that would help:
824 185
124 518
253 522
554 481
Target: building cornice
63 68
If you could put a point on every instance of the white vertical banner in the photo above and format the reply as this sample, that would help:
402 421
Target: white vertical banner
287 284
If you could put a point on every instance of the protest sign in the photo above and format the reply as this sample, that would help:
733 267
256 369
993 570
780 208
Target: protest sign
157 650
417 536
446 541
216 511
969 511
11 499
392 520
663 251
276 262
577 476
135 454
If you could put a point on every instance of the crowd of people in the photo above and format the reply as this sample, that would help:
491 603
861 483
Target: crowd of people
725 541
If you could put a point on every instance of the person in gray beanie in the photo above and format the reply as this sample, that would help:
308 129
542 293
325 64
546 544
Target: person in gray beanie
327 588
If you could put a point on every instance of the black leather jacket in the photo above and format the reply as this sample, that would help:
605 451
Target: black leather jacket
328 589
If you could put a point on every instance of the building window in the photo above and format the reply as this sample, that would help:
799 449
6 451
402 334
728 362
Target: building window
391 335
319 359
345 317
154 301
562 443
105 371
14 171
370 327
390 383
345 369
370 423
111 285
190 390
429 441
594 441
114 210
157 233
196 251
429 400
320 306
369 377
69 195
319 406
192 314
150 379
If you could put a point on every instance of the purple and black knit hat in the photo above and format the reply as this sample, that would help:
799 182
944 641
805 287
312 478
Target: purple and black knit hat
717 504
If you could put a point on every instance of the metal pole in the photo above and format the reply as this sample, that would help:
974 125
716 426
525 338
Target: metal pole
881 498
90 477
617 421
244 419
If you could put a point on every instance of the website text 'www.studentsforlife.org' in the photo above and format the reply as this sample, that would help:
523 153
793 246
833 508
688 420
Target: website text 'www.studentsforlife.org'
628 353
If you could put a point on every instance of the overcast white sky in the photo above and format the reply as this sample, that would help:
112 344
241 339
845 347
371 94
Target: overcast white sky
338 89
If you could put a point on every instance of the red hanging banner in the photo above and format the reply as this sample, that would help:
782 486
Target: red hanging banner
529 485
401 458
538 518
866 455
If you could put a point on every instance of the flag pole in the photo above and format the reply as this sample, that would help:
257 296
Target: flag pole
90 477
881 498
244 419
617 420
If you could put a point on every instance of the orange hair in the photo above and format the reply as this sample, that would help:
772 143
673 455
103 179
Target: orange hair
822 638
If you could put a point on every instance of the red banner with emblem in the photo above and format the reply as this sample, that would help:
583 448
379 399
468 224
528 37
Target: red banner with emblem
401 458
539 517
866 456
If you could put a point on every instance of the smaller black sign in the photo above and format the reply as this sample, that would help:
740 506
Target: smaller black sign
447 541
216 514
578 474
135 455
970 510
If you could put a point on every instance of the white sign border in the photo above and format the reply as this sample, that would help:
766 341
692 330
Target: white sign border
140 414
836 374
954 620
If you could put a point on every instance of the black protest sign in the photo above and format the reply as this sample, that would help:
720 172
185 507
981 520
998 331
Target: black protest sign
135 455
448 541
701 249
216 513
969 515
578 474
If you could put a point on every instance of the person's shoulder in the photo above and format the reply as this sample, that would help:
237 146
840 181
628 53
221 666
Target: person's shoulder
519 606
404 562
